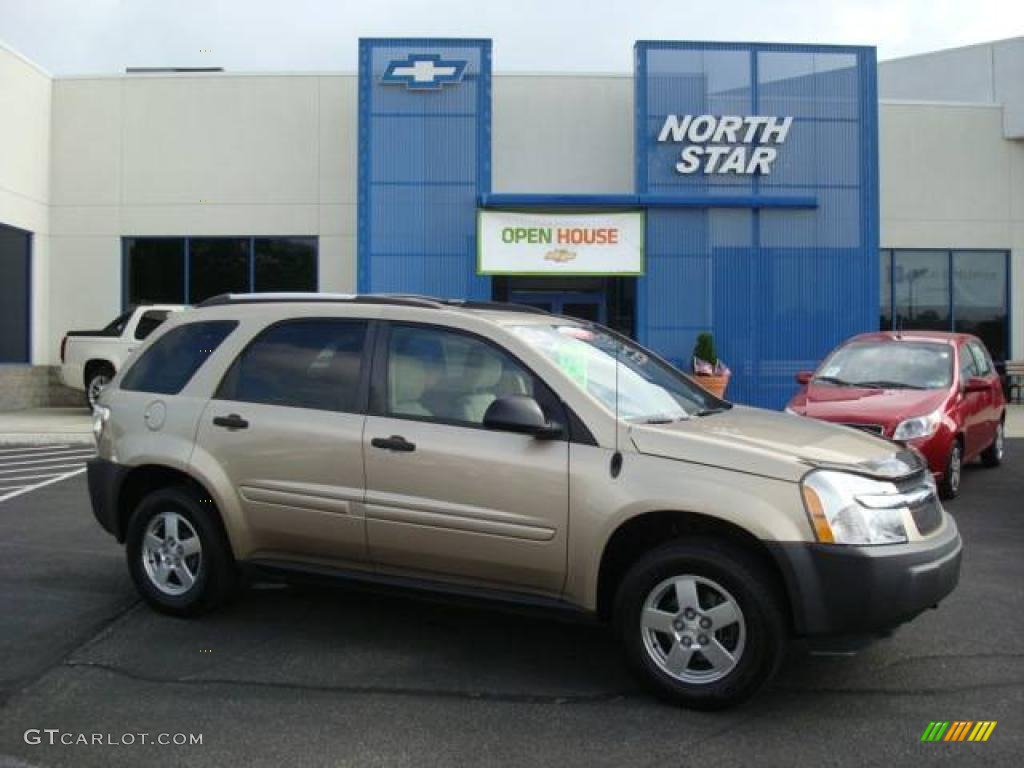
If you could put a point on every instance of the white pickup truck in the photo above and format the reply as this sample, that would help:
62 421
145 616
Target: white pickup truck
89 359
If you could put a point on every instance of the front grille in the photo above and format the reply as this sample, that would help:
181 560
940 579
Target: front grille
875 429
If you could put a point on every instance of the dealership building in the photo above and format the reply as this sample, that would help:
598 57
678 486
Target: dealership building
783 197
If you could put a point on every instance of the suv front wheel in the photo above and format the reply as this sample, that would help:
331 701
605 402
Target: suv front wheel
699 622
178 556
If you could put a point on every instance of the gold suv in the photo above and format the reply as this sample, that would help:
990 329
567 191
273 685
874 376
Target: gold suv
497 451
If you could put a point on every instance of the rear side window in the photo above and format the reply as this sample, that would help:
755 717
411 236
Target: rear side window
149 322
168 365
301 364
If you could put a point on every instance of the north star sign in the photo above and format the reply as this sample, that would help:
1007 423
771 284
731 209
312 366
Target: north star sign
725 144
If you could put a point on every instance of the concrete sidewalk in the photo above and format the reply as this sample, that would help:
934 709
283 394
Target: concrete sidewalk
35 426
74 425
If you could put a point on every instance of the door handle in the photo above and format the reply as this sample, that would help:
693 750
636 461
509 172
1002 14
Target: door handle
234 421
393 443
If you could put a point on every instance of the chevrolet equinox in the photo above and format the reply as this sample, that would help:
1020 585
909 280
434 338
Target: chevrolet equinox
502 452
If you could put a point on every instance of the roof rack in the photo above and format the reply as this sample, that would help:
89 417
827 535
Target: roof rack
395 299
224 299
503 306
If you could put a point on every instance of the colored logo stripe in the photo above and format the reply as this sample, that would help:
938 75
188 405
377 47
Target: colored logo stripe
958 730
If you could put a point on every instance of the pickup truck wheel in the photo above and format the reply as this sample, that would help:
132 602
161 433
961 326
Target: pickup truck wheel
178 556
96 379
700 623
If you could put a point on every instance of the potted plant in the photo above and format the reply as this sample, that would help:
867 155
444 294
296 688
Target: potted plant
710 372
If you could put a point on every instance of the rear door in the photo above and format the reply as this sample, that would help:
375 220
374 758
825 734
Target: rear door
990 400
971 406
286 426
445 496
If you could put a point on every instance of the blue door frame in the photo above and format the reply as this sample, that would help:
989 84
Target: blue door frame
555 301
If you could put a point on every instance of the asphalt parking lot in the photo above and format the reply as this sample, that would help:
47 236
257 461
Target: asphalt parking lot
310 676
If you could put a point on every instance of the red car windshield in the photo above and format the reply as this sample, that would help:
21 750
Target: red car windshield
889 365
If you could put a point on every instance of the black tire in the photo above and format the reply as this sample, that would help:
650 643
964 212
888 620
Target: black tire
993 455
952 475
96 375
747 582
215 574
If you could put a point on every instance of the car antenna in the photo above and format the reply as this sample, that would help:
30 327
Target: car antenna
616 465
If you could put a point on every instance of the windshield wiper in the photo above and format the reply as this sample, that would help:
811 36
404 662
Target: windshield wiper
883 384
663 418
832 380
710 411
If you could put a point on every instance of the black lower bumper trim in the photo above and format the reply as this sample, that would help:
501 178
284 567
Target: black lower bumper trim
855 591
104 489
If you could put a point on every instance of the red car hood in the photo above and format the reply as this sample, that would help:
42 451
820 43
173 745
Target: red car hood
866 406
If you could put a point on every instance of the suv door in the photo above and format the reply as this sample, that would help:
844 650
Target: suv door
445 495
286 427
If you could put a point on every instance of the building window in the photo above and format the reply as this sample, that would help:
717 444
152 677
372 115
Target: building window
188 270
944 290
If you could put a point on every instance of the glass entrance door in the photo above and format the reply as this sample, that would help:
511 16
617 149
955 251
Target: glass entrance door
584 305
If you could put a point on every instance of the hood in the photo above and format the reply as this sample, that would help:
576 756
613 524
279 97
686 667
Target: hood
773 444
867 406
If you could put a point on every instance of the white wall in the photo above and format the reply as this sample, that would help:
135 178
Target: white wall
987 73
25 98
193 155
949 179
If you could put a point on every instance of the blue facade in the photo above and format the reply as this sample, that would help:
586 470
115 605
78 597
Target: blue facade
779 265
424 162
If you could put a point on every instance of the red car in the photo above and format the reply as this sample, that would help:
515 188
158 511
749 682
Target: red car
938 392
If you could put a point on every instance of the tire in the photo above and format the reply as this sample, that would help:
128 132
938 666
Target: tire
949 483
97 377
993 455
201 574
757 638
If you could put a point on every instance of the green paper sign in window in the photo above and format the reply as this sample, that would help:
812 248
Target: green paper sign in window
573 360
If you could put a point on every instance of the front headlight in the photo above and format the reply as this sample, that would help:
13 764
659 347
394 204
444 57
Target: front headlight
852 509
918 426
100 416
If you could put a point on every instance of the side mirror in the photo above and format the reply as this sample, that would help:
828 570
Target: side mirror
522 414
804 377
976 384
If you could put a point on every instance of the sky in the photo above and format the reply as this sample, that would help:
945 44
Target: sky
74 37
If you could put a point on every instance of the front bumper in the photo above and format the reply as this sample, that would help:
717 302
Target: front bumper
857 591
105 480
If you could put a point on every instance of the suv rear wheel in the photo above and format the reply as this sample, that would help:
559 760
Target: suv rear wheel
178 556
97 376
700 624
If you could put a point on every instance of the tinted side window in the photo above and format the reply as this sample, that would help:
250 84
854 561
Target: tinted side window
173 359
453 377
981 358
149 322
968 367
301 364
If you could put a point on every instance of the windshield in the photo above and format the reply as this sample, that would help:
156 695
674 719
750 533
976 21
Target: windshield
648 390
889 365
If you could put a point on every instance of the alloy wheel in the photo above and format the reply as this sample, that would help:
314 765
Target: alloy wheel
693 629
955 468
96 385
172 553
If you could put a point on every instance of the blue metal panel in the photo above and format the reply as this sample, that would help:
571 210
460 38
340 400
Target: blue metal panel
778 285
424 161
712 199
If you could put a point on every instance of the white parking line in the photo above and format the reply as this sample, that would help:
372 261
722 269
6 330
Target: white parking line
57 467
29 448
43 484
83 455
40 454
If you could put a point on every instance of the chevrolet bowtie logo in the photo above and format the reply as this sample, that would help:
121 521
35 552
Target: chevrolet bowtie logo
424 72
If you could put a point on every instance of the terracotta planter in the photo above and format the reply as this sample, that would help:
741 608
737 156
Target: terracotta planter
714 384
